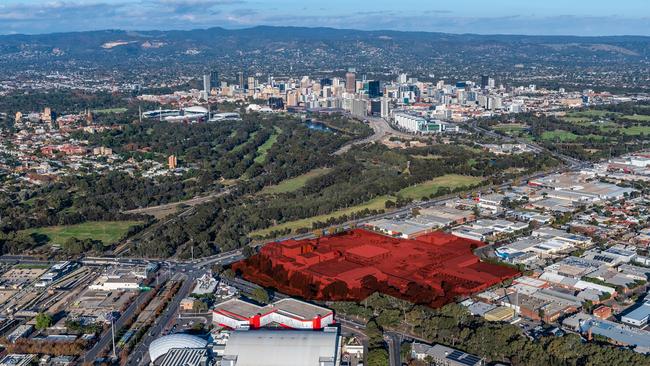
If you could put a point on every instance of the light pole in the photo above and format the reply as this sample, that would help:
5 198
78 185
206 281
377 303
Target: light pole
113 332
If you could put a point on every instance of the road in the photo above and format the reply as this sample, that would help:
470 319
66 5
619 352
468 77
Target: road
571 162
381 128
105 338
394 341
169 207
140 354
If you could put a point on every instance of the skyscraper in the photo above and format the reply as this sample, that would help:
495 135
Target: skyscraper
484 81
206 84
374 90
205 93
351 81
214 79
240 79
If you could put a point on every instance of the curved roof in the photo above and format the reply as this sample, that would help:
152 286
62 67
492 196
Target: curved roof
196 109
162 345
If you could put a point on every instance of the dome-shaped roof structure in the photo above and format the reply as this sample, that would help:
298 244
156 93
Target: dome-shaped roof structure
196 109
162 345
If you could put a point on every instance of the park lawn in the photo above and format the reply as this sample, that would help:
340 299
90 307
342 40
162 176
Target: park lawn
577 120
428 157
637 117
241 146
263 149
510 127
378 203
294 184
636 130
559 135
429 187
110 110
108 232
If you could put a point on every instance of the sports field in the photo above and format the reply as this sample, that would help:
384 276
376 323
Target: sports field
107 231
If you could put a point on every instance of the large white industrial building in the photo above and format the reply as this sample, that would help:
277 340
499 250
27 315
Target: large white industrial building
282 348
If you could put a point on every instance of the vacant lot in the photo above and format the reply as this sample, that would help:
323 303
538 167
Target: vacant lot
431 187
107 231
294 184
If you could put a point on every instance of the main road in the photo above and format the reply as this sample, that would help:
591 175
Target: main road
382 129
140 354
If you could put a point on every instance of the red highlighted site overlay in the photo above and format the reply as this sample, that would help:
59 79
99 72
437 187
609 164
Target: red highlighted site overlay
433 269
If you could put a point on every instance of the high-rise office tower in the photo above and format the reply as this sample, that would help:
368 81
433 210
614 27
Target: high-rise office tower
351 81
374 90
484 81
252 83
206 84
214 79
240 79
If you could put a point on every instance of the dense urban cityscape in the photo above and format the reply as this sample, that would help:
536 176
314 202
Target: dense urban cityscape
319 196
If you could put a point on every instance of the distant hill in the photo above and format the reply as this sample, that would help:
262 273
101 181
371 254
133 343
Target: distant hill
276 50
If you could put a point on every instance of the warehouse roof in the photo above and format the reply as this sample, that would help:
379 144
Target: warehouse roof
290 307
282 347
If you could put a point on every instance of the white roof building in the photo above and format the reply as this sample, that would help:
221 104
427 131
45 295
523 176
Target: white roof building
162 345
282 348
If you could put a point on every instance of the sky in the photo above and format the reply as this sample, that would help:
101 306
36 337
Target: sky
533 17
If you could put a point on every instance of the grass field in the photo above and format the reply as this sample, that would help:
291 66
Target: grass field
510 127
428 157
637 117
110 110
586 116
375 204
636 130
559 135
241 146
414 192
450 180
294 184
264 148
106 231
31 266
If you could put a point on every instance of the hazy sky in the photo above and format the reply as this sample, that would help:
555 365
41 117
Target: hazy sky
575 17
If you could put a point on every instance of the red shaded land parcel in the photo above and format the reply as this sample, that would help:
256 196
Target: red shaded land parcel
433 269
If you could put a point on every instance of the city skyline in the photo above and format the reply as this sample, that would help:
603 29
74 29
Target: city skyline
467 16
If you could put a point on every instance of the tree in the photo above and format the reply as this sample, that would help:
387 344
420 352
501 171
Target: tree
378 357
199 307
260 295
43 321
